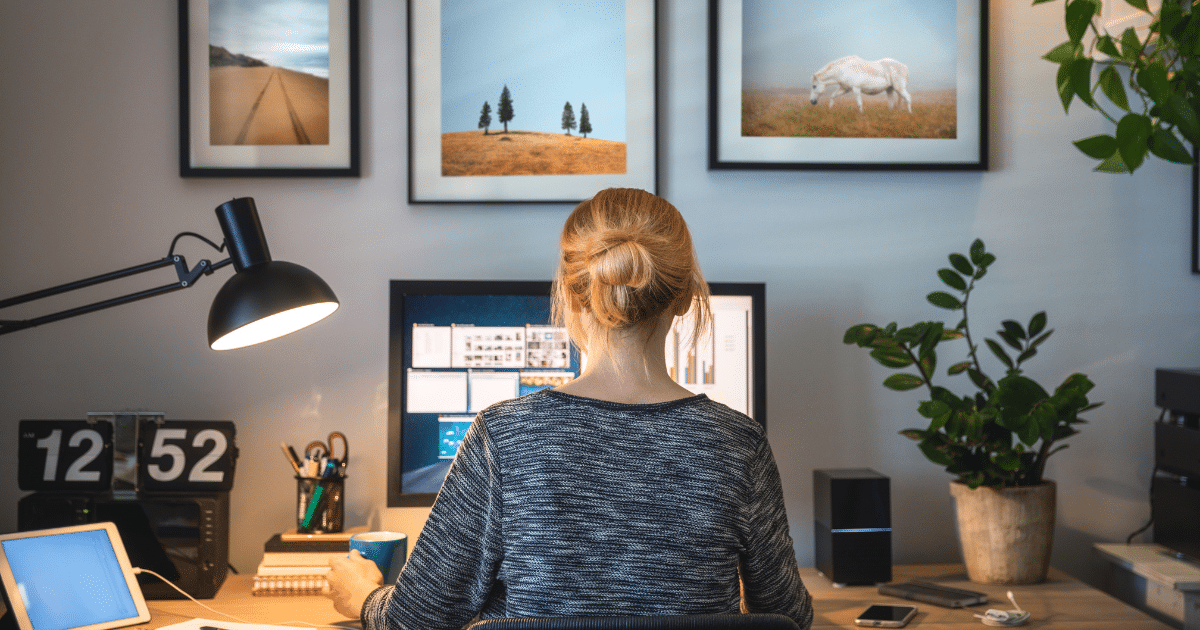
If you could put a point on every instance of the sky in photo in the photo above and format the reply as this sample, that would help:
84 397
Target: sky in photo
292 34
785 41
547 52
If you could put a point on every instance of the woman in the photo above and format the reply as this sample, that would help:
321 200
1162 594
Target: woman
619 493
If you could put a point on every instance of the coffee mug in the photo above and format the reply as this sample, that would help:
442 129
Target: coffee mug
386 549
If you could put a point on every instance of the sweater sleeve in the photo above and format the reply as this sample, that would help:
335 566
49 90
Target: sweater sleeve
453 566
770 576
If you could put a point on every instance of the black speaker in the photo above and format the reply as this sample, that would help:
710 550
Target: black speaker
852 519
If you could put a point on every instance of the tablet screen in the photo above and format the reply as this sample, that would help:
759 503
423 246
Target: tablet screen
70 578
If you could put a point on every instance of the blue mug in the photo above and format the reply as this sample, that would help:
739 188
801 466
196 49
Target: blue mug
386 549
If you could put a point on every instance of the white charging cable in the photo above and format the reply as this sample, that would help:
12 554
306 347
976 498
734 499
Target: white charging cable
139 570
1005 618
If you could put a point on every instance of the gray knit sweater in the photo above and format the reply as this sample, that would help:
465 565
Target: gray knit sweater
558 505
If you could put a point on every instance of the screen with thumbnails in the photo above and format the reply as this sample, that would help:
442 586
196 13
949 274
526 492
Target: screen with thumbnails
458 346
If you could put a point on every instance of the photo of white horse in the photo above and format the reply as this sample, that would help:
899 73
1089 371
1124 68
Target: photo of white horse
857 75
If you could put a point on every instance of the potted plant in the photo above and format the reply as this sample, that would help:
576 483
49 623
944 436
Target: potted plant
996 439
1151 82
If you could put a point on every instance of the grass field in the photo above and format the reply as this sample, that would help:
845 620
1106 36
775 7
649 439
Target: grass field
787 112
529 153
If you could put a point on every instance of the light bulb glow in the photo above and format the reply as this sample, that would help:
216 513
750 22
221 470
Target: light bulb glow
275 325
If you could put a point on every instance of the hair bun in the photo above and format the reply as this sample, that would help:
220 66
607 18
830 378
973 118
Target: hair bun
620 260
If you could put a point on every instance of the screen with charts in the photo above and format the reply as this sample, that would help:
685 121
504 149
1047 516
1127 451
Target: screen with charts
457 346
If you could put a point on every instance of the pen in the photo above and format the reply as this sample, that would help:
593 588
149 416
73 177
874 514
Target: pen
291 457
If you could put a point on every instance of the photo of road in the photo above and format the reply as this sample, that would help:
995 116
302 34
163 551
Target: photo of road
267 105
268 72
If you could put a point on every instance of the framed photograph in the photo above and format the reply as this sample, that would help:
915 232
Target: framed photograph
268 88
807 85
543 101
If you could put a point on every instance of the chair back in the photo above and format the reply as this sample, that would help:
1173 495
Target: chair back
752 621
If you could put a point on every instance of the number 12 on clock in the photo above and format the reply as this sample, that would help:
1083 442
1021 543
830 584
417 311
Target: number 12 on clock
72 455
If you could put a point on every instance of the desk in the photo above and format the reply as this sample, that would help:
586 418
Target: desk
1059 603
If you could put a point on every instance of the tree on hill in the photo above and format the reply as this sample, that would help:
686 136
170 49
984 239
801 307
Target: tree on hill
505 109
568 121
585 125
485 118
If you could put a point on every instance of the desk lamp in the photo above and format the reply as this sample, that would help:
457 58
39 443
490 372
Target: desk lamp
264 299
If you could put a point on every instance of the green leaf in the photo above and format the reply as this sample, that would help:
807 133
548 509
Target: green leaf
977 252
1025 356
929 341
1139 4
891 358
1009 339
1081 78
958 368
903 382
933 408
1013 328
1036 324
1165 145
981 380
1133 138
1040 340
856 334
1153 79
952 279
1065 51
1113 87
941 299
934 455
960 262
1131 46
1009 460
1098 147
1078 16
1178 111
1114 164
1066 90
998 350
1107 45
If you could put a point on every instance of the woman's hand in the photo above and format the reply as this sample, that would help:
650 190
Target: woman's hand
351 580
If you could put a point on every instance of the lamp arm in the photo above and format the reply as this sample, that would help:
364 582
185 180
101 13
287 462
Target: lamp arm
187 277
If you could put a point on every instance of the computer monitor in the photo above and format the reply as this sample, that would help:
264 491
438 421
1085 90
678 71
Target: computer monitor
457 346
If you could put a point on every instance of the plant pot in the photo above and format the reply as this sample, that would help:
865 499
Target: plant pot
1005 533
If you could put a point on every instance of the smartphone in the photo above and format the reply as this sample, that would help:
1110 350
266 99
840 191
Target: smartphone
886 616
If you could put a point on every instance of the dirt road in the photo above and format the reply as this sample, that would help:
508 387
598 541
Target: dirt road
267 105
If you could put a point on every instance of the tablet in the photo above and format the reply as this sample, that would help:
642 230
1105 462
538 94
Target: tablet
70 578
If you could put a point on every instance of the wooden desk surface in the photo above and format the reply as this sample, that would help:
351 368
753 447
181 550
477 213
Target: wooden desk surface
1061 602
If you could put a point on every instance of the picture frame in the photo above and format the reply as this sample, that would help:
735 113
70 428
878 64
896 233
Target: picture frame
1196 210
761 111
527 154
255 101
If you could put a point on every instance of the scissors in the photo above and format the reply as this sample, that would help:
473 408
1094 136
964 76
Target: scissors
326 447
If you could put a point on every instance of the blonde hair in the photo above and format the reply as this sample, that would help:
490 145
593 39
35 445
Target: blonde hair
626 257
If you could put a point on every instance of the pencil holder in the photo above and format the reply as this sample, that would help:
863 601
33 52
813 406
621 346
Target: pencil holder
319 506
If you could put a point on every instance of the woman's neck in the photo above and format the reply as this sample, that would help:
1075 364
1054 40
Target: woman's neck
628 367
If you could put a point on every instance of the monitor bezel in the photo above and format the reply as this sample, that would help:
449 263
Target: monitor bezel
398 289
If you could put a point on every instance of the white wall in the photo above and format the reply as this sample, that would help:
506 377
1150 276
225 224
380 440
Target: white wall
90 183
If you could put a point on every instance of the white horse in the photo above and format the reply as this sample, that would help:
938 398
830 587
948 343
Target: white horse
855 74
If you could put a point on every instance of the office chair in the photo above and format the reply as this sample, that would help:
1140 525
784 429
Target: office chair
753 621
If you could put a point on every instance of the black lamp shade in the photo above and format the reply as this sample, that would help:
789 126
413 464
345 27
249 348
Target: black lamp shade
265 301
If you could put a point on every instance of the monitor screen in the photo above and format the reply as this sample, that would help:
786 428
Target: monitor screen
457 346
